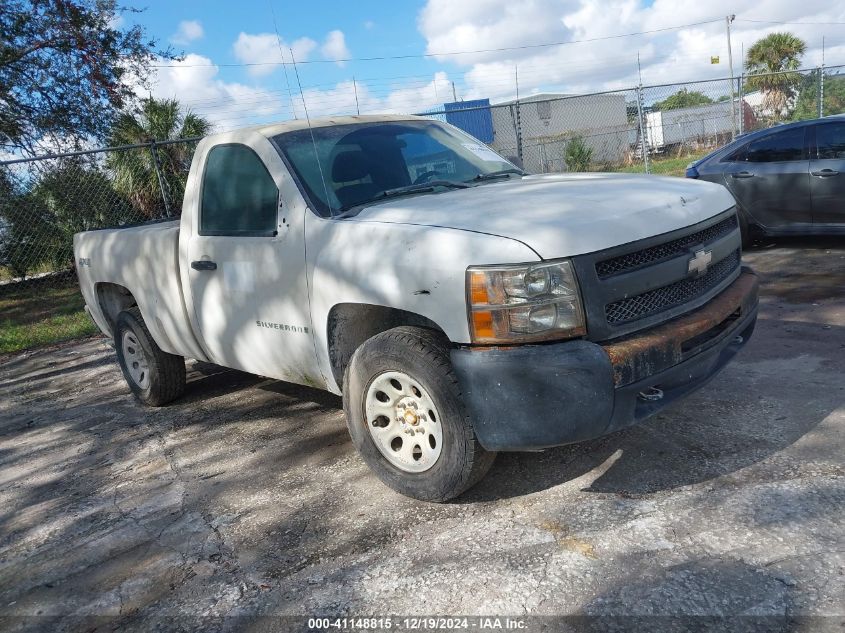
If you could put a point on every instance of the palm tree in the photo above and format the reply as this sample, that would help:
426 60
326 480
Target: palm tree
134 170
776 53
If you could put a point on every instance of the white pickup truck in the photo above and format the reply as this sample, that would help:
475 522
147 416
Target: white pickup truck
459 305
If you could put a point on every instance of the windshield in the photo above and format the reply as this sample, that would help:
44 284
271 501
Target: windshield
349 165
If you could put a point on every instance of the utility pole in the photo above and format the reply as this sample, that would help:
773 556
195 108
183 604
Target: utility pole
641 117
454 94
728 20
821 83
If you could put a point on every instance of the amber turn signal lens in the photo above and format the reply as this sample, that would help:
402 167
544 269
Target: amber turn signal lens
482 325
478 289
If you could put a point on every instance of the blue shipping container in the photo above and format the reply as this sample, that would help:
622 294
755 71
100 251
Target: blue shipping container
473 117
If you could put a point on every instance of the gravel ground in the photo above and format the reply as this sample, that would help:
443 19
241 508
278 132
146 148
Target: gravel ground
245 498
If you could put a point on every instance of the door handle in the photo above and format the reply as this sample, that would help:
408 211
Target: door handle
825 173
742 174
203 264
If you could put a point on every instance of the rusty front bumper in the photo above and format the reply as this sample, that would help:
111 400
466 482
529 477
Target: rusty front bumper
667 345
537 396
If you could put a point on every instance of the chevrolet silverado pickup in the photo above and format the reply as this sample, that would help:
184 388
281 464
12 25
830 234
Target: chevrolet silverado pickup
460 306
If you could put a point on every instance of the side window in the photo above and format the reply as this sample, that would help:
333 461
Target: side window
830 140
736 155
778 147
239 197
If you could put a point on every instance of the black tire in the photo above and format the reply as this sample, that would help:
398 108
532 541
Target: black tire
166 379
424 355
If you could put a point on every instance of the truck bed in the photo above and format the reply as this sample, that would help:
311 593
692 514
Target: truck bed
143 259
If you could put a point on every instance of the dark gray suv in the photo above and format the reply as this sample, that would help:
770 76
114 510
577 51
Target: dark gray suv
787 180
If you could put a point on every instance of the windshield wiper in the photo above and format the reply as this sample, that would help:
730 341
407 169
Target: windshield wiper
423 186
494 175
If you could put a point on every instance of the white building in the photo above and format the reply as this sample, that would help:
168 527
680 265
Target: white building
549 121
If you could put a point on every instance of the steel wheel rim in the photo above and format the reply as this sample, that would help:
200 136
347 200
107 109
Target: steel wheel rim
403 421
135 360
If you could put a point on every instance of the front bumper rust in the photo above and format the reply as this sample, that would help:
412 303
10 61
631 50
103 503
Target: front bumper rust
531 397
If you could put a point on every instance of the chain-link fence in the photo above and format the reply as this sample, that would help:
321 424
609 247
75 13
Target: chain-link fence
645 128
45 200
657 129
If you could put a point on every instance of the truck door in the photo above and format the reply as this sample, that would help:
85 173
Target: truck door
771 180
827 174
246 254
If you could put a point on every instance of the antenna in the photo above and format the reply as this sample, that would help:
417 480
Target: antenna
355 88
282 56
311 131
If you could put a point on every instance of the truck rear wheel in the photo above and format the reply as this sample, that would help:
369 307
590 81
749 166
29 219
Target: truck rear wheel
406 416
154 376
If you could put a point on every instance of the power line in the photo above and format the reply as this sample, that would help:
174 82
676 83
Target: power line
446 54
784 22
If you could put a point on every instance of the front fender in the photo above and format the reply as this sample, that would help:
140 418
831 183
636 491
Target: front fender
419 269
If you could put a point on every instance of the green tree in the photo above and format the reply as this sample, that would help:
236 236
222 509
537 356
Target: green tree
71 198
577 154
134 170
66 68
38 225
776 53
12 254
682 99
807 104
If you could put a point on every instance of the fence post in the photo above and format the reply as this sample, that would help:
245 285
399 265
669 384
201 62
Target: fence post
518 118
821 91
161 184
740 81
641 117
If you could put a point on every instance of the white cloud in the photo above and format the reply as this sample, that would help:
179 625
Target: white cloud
266 51
369 25
448 26
666 56
188 31
195 84
334 47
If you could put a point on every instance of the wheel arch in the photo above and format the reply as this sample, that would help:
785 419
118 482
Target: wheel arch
113 299
350 325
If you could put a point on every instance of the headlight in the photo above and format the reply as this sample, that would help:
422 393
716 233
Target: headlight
520 304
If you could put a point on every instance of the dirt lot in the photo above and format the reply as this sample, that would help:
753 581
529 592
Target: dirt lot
246 498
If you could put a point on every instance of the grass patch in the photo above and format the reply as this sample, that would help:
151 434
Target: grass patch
37 316
666 165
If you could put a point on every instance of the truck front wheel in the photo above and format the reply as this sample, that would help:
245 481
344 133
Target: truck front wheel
154 376
407 419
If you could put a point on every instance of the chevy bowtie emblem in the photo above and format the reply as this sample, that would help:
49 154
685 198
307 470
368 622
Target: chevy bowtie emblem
699 263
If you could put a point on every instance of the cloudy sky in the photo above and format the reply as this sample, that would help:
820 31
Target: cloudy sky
232 71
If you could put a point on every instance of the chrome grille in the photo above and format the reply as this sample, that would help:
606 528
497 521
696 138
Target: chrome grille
674 294
631 261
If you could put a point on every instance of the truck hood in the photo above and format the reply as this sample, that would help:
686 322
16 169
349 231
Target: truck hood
562 215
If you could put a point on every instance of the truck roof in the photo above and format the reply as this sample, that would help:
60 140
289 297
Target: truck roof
272 129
